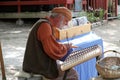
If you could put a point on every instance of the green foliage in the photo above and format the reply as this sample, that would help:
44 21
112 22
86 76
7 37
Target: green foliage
91 17
94 15
83 13
101 14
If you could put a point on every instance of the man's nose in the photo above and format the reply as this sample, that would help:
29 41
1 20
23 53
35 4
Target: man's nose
66 23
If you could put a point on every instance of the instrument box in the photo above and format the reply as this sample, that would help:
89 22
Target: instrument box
70 32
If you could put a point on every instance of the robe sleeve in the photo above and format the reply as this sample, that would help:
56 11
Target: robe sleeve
52 48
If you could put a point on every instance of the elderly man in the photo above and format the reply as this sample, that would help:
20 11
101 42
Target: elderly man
42 49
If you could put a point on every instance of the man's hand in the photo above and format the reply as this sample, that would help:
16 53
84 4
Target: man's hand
69 46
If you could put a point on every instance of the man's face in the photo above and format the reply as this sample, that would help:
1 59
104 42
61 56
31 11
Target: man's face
61 21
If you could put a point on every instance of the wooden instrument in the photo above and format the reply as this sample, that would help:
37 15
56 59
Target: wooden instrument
80 56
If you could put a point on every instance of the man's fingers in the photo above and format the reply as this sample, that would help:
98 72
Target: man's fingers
74 46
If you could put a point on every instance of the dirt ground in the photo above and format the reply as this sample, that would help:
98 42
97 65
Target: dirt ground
109 32
13 40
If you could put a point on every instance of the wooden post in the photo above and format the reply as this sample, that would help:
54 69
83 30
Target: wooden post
116 10
106 9
2 64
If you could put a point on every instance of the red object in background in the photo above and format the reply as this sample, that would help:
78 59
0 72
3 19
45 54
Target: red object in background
20 3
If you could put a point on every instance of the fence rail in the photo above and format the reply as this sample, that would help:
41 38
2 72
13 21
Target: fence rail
19 6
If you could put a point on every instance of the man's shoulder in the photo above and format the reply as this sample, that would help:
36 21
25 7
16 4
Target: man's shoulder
42 20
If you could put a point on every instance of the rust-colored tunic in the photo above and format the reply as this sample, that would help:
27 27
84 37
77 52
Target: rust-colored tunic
53 49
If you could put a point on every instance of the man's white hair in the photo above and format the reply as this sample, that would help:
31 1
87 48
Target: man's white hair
54 15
